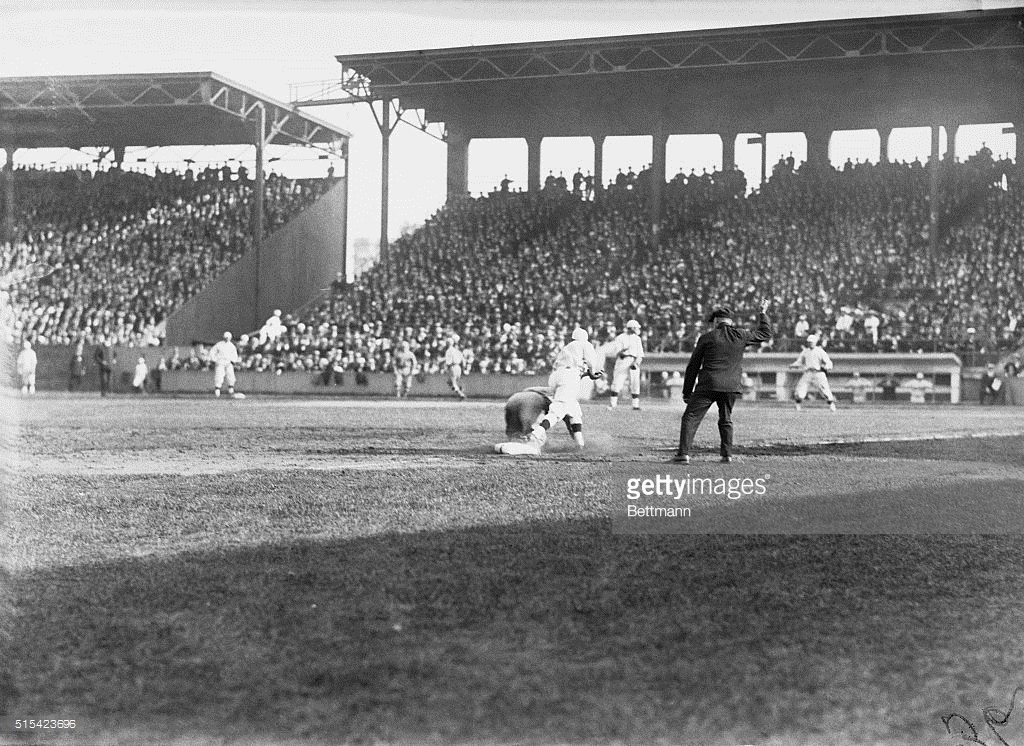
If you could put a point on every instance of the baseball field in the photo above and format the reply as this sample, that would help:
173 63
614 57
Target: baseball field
298 571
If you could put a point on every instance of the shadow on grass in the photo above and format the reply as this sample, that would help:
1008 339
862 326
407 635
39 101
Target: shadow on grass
994 449
539 632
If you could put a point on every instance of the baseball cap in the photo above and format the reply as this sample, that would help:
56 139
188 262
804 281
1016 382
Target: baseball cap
580 334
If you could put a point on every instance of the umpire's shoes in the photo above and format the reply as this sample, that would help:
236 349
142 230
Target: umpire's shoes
726 459
681 458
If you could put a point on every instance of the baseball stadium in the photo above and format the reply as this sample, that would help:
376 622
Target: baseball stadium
253 497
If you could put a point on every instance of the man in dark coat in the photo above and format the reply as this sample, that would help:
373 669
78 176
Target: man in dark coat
716 369
105 359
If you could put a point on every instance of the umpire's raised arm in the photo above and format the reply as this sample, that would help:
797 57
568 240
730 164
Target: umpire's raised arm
764 330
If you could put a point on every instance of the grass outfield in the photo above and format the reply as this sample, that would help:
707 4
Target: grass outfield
306 571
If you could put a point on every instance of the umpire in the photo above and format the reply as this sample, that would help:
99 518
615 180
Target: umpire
715 367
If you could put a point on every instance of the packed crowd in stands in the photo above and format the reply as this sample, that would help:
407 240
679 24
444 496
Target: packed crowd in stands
113 253
843 252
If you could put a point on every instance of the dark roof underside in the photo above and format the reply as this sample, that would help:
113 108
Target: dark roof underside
192 108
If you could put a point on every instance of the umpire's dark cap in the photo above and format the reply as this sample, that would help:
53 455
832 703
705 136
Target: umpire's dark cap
722 312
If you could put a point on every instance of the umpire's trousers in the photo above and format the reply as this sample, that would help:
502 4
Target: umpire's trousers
696 408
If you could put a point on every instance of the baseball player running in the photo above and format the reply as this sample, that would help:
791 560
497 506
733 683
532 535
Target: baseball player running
575 360
629 351
224 356
453 362
815 363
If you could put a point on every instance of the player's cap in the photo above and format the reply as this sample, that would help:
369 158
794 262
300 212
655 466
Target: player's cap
227 336
721 312
580 335
26 344
812 339
633 324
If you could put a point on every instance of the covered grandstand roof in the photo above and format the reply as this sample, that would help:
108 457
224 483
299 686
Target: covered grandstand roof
854 72
160 109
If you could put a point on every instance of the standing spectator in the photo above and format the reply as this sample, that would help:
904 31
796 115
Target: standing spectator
715 368
224 355
141 374
27 362
802 328
76 367
105 359
871 324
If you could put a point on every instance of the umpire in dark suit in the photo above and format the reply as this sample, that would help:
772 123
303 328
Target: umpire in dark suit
716 368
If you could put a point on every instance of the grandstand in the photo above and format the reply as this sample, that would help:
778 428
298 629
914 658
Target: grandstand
884 258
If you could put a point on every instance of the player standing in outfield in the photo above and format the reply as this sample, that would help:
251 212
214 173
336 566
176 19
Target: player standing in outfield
224 356
405 368
715 368
629 351
815 363
27 362
575 360
453 362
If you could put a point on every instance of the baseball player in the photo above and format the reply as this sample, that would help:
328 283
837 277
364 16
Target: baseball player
815 363
629 351
224 355
523 410
27 362
453 362
405 368
575 360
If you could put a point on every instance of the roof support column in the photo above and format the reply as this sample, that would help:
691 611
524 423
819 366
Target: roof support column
817 145
8 235
951 140
458 164
728 150
259 140
934 163
385 175
598 164
533 163
1018 134
657 180
883 144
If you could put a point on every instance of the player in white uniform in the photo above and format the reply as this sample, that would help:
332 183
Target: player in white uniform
629 351
405 366
575 360
815 363
453 362
224 356
27 362
273 328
